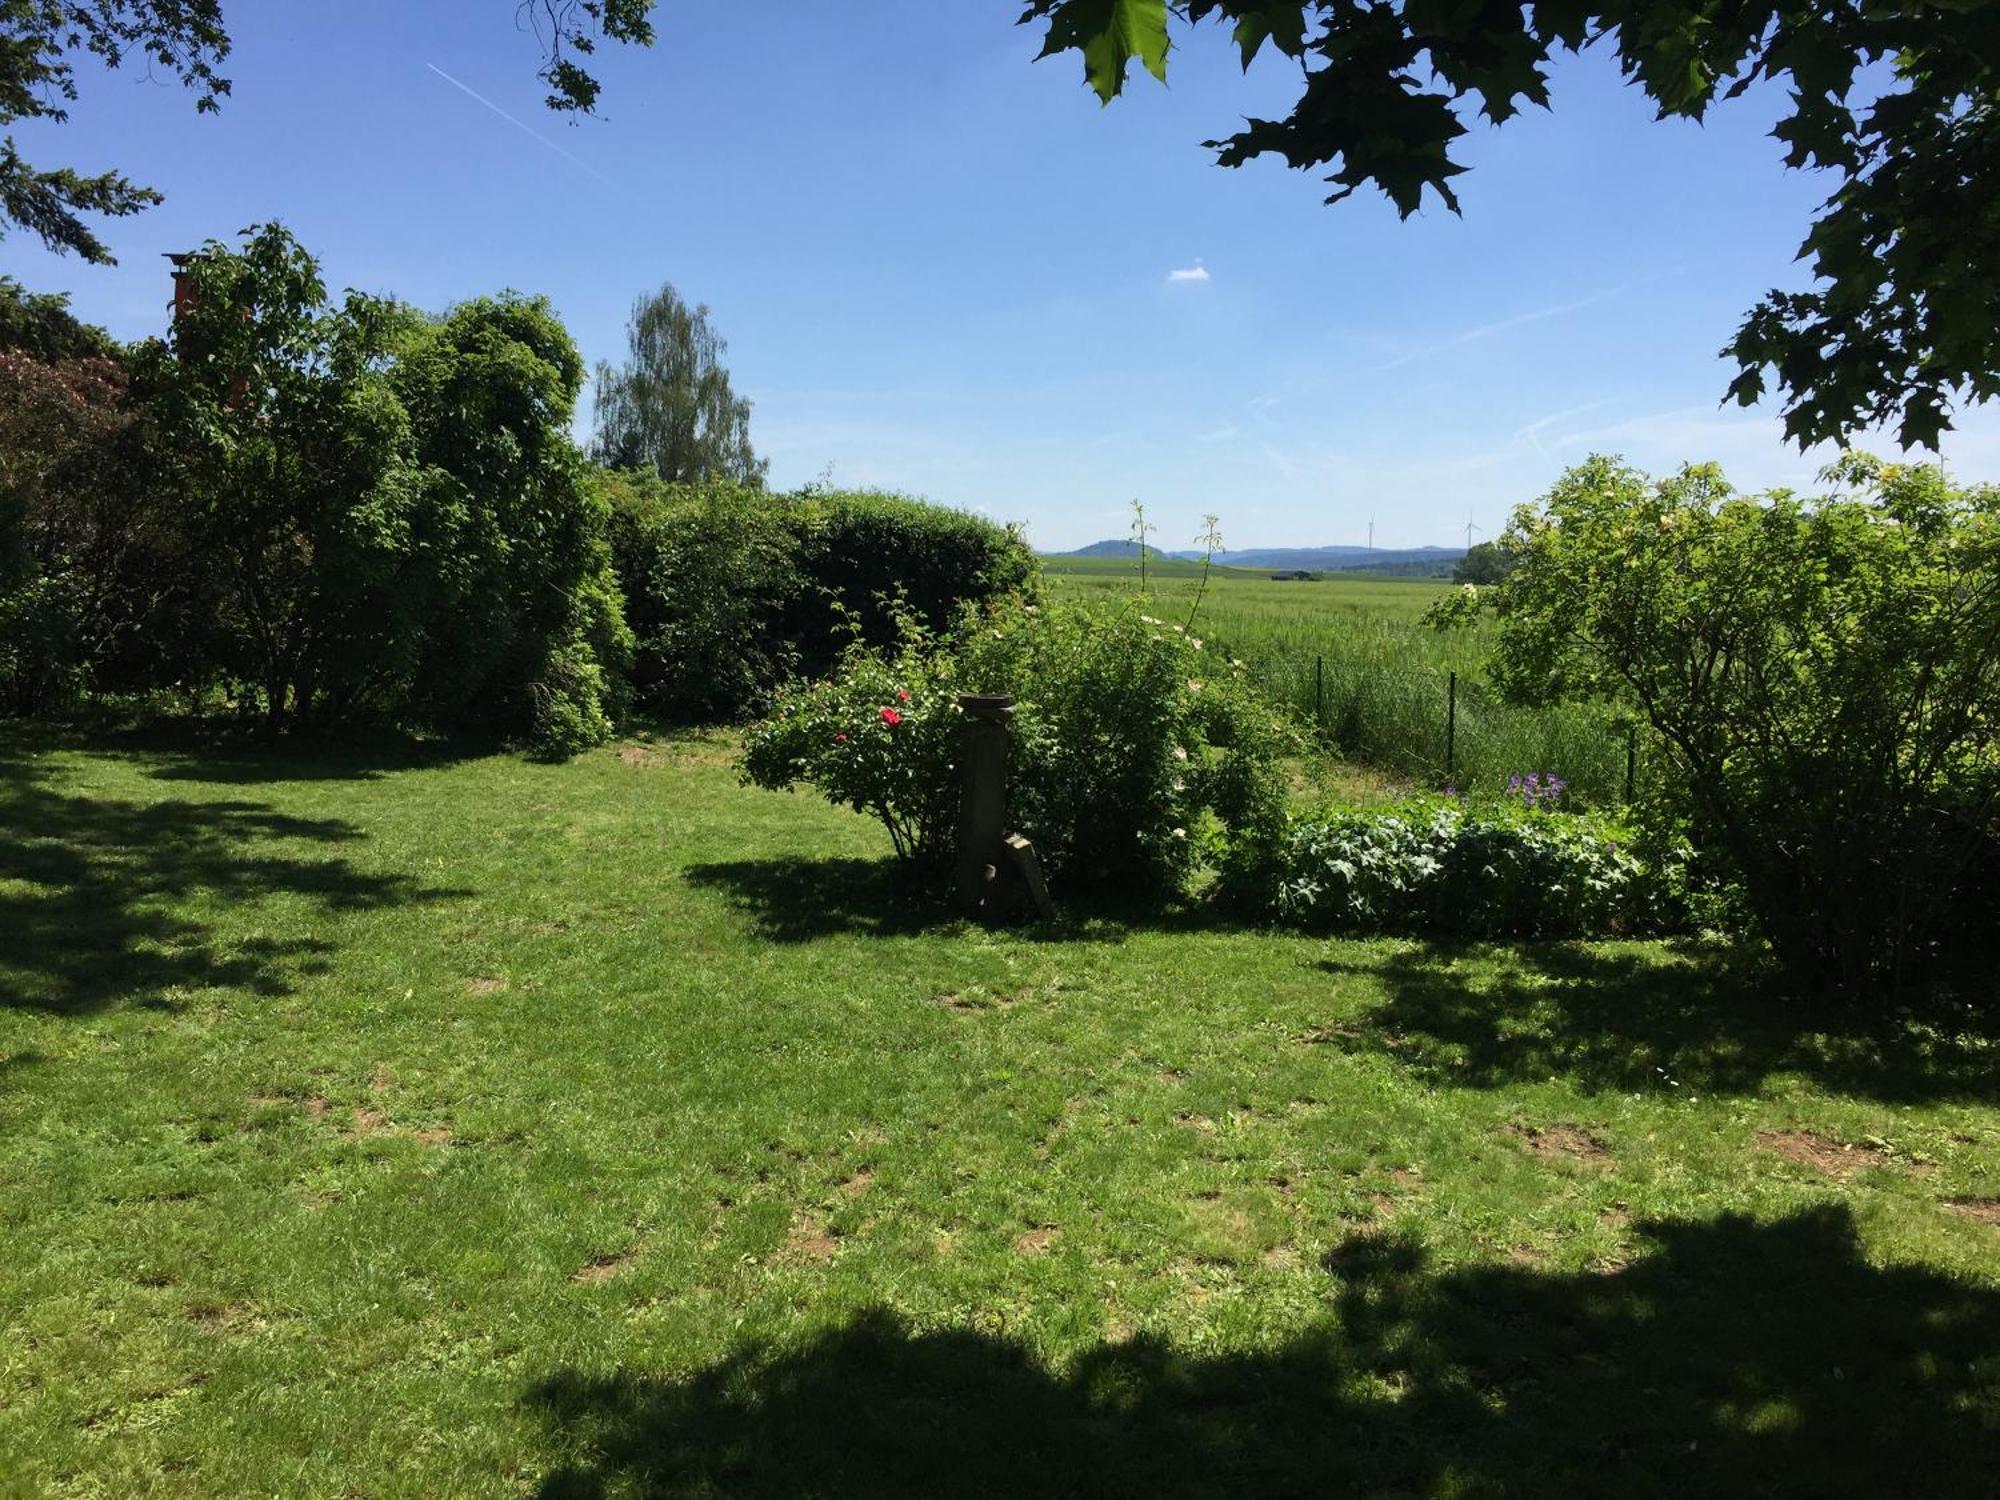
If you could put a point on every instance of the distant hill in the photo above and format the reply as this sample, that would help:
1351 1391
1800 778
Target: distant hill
1406 561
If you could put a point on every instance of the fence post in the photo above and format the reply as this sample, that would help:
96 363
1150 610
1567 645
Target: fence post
1319 692
1451 727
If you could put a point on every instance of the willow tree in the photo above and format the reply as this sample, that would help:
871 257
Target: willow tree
670 407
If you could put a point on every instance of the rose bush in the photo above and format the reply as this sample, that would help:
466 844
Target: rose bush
1137 753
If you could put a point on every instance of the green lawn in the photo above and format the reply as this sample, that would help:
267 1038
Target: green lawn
407 1125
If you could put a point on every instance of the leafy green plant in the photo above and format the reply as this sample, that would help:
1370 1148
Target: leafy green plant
1820 677
709 574
1126 768
875 555
731 591
1436 866
881 735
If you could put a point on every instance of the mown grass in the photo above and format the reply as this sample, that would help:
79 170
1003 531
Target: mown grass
398 1124
1351 655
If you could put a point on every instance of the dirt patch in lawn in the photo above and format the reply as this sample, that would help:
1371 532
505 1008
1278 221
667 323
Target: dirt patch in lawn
485 984
433 1135
1985 1210
859 1183
641 757
1037 1241
809 1242
1824 1154
1562 1143
600 1269
1338 1034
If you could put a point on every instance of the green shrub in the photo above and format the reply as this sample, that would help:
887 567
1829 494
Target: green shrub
1436 867
1136 754
1820 677
731 591
862 550
709 573
881 735
40 631
1139 754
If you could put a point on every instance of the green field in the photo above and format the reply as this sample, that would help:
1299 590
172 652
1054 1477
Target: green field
403 1124
1350 653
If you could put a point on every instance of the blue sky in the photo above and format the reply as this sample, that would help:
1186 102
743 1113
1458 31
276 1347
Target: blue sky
942 268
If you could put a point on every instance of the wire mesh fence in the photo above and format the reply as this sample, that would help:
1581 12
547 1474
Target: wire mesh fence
1442 727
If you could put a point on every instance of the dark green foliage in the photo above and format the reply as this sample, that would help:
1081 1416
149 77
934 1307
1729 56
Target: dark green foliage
90 562
569 29
293 469
731 590
41 326
1907 248
1483 563
39 40
383 516
670 407
1823 678
526 616
710 576
863 549
1438 868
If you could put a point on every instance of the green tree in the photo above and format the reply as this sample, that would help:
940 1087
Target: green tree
295 465
40 41
528 633
1823 677
1484 563
1898 99
670 406
386 512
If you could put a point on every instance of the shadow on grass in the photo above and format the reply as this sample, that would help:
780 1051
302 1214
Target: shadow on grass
798 899
231 753
1707 1020
89 891
1734 1358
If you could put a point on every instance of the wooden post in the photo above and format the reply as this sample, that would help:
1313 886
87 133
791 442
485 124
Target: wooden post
982 809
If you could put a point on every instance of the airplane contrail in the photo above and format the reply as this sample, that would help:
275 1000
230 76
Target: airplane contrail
524 129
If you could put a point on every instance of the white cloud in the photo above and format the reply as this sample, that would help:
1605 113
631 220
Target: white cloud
1195 272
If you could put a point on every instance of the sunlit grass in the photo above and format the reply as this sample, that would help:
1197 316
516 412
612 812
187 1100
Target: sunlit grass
410 1125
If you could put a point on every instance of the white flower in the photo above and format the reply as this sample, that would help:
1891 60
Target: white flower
1193 686
1148 619
1180 752
1180 833
1194 643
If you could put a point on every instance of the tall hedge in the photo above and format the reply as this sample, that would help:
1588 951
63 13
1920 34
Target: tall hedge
730 591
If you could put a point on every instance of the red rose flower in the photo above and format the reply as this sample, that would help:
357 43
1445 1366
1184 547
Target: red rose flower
891 717
903 694
840 739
